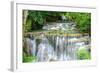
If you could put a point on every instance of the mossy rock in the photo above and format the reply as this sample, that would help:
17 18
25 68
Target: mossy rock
29 59
83 54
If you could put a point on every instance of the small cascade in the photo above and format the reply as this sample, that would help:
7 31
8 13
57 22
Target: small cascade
57 47
45 50
33 42
31 46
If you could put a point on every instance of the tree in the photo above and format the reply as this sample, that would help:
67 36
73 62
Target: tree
82 20
36 19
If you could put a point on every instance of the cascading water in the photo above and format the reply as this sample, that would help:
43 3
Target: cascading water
31 46
33 42
62 49
45 50
55 47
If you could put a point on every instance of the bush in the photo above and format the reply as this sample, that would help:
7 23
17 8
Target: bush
82 20
27 58
83 54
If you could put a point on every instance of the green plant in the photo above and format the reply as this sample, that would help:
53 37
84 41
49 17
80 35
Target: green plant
36 19
83 54
27 26
27 58
82 20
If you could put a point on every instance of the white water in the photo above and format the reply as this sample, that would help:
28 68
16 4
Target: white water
55 48
63 49
45 50
31 46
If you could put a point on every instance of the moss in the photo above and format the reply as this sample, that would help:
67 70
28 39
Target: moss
29 59
83 54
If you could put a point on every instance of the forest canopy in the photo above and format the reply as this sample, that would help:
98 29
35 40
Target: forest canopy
36 19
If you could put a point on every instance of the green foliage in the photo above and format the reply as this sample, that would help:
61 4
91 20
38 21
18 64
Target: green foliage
82 20
36 16
28 58
39 18
27 26
36 19
83 54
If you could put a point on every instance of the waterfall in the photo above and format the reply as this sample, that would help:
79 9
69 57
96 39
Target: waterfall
31 46
45 50
55 48
33 42
63 48
62 51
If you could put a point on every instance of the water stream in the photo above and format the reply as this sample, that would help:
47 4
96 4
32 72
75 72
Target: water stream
55 48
